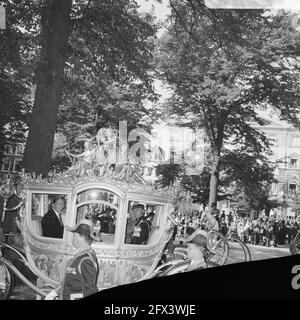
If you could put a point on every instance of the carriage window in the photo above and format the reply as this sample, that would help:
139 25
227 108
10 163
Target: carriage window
48 212
101 207
142 222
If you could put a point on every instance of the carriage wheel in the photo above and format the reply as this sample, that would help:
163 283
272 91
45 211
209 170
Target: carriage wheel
6 281
163 268
181 266
219 247
238 251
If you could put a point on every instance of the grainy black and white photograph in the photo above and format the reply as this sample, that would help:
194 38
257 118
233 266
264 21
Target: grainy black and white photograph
145 140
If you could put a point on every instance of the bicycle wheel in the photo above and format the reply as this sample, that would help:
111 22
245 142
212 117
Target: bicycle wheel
6 281
219 248
238 251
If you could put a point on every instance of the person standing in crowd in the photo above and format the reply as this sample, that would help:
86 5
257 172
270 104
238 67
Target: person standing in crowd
215 212
263 233
288 231
281 232
223 227
294 229
233 228
52 222
209 220
230 218
80 279
223 215
275 231
256 231
247 231
240 229
269 233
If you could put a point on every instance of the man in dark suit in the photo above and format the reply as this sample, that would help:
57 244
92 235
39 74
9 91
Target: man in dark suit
52 225
142 227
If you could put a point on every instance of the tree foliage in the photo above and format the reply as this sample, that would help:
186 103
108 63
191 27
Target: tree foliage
223 65
17 48
168 174
106 72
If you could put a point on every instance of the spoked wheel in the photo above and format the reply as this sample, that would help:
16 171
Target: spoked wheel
238 251
178 267
219 248
162 269
6 281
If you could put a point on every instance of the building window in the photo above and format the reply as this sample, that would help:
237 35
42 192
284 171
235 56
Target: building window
295 141
293 163
17 165
5 164
8 149
19 150
292 188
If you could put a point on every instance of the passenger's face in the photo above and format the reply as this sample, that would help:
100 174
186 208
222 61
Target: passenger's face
59 205
77 240
137 213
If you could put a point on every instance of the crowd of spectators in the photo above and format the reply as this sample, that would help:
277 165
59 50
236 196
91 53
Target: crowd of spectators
266 231
263 230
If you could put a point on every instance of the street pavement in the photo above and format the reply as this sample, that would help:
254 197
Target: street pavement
261 252
23 292
257 252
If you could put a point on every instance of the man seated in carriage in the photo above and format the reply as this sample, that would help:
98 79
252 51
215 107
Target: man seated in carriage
138 226
52 221
106 220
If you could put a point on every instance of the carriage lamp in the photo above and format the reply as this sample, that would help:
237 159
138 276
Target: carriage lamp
94 195
7 190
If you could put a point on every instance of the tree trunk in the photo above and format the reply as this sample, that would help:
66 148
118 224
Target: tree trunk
49 74
214 180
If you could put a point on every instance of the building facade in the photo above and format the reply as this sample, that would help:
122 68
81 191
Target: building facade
11 158
286 157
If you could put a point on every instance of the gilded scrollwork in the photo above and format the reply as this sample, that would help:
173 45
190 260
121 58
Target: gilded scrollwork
69 180
50 266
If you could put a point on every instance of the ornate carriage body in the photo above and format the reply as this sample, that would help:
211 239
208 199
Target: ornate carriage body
120 262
